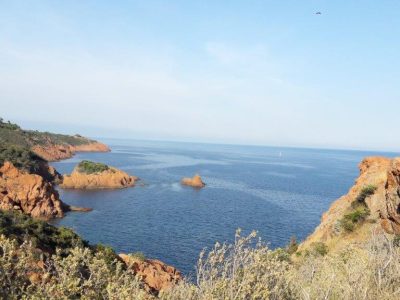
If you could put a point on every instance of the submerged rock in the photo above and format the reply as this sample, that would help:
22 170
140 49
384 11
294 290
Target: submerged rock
156 275
195 181
90 175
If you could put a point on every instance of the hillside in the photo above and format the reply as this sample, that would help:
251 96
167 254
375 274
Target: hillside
48 146
372 204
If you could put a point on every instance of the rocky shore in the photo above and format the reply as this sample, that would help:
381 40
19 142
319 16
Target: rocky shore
54 152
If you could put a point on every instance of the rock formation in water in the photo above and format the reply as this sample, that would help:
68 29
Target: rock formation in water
90 175
156 275
195 181
373 199
29 193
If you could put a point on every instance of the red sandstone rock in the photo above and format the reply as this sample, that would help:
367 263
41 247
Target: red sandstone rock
53 152
28 193
156 275
195 181
384 204
108 179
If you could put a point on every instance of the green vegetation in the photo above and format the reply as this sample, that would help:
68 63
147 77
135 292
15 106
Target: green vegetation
138 255
21 157
12 134
365 192
245 269
8 125
319 248
22 228
354 217
396 240
359 210
90 167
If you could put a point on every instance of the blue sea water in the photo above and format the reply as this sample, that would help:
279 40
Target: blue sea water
280 192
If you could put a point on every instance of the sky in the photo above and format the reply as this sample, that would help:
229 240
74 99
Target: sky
241 72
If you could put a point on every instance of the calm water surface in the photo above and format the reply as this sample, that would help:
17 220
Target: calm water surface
279 192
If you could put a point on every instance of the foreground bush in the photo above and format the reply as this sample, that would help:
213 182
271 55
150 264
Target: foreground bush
237 271
80 275
21 227
245 269
240 271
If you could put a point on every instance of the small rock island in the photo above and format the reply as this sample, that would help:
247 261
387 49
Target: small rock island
195 181
93 175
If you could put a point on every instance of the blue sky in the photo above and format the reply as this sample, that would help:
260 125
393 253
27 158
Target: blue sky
248 72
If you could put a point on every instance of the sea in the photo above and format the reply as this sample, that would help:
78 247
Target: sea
279 192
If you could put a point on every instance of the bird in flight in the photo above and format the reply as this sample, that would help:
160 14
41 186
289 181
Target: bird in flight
318 13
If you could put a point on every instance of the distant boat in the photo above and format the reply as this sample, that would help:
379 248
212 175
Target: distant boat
280 154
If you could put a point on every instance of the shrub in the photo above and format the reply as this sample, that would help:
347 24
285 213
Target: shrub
365 192
138 255
347 225
292 246
319 248
80 275
108 254
90 167
396 240
21 227
8 125
357 215
240 270
20 157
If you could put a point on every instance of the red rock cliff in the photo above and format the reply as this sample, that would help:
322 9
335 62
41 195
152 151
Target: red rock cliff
383 204
54 152
29 193
156 275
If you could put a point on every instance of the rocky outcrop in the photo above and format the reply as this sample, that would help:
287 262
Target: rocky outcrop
383 205
195 181
111 178
29 193
55 152
156 275
49 173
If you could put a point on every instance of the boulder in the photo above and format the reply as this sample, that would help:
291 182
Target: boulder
156 275
195 181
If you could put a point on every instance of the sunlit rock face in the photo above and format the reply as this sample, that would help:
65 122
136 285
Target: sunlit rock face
29 193
195 181
112 178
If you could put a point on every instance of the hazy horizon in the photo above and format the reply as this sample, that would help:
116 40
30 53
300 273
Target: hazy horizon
258 73
134 136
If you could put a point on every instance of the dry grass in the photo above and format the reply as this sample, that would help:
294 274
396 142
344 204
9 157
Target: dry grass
246 269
